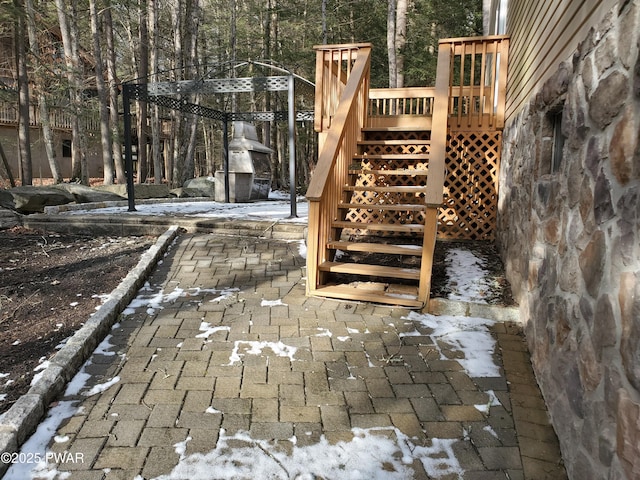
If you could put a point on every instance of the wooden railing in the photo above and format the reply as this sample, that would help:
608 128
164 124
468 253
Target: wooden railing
59 119
342 92
477 88
410 107
334 65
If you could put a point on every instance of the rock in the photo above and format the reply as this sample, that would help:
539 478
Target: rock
608 98
628 434
84 194
629 302
592 262
141 190
32 199
8 218
200 187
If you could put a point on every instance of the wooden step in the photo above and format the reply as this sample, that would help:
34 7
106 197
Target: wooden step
396 129
348 292
358 170
370 270
392 156
394 142
381 227
391 189
386 248
404 207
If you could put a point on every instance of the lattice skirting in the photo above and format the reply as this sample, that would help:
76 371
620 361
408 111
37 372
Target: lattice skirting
470 204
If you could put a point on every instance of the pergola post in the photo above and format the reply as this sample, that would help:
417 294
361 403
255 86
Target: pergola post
128 154
292 145
225 154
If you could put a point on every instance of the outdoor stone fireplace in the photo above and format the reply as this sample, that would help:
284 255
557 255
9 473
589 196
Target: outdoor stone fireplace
249 167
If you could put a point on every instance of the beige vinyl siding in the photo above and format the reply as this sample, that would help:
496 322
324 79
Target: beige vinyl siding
544 33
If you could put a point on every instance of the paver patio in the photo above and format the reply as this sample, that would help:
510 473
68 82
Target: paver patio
223 341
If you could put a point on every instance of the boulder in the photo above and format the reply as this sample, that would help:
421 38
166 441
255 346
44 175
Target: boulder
32 199
200 187
84 194
141 190
9 219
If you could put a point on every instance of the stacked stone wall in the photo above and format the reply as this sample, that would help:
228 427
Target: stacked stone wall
569 233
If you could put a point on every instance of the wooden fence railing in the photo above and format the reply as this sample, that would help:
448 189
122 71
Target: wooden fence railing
59 119
342 75
477 88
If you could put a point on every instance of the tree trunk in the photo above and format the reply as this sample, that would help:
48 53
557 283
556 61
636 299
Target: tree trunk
68 31
114 118
191 128
5 168
176 20
143 73
24 140
400 40
325 34
105 132
47 133
152 7
391 43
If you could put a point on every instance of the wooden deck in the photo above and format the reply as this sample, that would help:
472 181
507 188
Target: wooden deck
398 167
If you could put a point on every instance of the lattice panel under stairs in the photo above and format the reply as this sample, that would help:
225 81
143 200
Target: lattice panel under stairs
397 148
470 207
470 204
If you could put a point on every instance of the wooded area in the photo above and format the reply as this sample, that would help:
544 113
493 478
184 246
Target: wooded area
75 54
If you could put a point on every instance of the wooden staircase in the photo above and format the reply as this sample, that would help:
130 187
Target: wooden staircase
380 226
379 182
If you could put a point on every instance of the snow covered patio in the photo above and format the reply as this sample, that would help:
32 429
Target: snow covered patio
221 367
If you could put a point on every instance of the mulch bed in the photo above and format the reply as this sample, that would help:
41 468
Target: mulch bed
51 284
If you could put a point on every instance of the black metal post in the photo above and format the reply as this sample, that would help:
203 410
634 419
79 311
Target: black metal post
225 153
128 154
292 146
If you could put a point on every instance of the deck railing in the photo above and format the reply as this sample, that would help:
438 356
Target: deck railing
59 119
477 88
342 78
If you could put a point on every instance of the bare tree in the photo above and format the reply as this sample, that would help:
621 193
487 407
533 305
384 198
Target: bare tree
24 140
400 40
114 119
47 133
105 132
69 32
396 40
142 107
152 8
178 59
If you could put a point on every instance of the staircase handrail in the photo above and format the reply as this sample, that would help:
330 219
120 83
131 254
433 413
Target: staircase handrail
349 118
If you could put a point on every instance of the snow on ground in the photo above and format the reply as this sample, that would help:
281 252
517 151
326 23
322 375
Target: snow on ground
467 276
468 335
373 454
277 208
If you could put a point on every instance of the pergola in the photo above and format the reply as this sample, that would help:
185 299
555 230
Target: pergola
173 95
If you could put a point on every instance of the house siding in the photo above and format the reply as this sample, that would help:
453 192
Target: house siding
569 234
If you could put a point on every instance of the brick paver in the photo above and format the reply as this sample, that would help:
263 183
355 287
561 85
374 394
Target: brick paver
273 363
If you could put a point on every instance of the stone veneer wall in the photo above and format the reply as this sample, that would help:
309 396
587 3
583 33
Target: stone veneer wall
570 241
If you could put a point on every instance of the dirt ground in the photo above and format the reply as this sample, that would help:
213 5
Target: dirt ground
50 284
